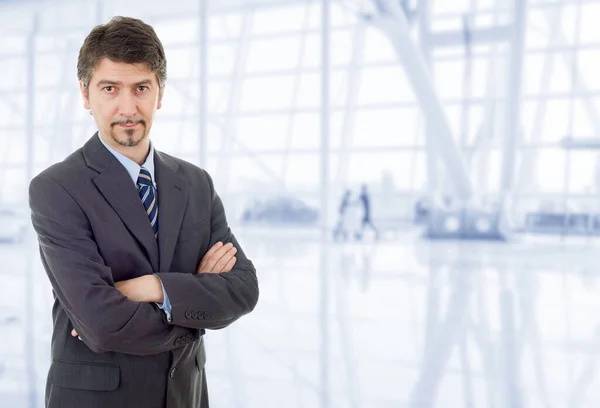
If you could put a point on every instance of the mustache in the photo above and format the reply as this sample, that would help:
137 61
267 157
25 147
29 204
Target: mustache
127 122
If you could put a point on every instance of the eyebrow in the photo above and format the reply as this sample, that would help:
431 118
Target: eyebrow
106 82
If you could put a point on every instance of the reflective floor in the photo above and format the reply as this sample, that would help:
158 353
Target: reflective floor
400 323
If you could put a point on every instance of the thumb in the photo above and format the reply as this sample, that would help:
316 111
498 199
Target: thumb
74 333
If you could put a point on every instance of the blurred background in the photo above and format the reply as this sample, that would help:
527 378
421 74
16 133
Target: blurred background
416 181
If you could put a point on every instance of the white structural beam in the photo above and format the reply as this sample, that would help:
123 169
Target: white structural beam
349 118
324 224
529 156
203 68
588 103
430 157
291 125
456 38
513 101
29 173
587 143
392 21
579 81
233 109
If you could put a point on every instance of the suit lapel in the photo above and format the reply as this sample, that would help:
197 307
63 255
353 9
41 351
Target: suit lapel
172 201
114 183
116 186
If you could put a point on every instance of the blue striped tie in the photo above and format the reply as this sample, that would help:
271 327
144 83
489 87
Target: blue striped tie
148 196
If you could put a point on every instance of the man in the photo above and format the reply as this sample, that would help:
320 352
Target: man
366 221
135 243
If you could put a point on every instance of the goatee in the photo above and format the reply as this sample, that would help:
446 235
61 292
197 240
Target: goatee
130 141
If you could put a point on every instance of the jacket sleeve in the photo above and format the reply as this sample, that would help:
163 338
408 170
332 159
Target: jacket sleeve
211 300
104 318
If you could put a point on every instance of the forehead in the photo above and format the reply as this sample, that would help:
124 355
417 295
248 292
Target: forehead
122 72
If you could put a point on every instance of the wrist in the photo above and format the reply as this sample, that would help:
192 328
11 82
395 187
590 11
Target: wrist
156 289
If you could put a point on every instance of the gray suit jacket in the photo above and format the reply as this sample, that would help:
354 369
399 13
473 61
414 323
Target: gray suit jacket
93 231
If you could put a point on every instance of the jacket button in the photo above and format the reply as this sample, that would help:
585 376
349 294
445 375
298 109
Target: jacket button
206 315
194 315
172 373
188 314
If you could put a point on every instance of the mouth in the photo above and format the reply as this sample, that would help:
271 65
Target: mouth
129 125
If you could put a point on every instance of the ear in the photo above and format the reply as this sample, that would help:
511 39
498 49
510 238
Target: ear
85 95
161 92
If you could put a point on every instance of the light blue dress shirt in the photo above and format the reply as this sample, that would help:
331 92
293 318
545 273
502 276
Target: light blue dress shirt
134 171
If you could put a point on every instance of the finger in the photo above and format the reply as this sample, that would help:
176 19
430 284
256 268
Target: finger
74 333
213 249
208 254
230 265
210 266
211 257
212 261
220 264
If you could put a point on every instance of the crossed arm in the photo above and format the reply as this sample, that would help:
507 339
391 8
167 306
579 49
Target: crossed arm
104 312
148 289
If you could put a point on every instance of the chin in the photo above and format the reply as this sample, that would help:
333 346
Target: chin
129 137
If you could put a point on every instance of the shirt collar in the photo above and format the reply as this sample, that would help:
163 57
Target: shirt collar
132 167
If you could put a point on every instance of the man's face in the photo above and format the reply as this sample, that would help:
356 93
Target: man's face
123 99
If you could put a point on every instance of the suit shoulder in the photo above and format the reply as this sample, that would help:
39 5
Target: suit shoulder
191 171
64 172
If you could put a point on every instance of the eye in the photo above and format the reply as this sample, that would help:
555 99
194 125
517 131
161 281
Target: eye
142 88
109 89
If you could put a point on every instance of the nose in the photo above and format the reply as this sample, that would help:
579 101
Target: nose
127 105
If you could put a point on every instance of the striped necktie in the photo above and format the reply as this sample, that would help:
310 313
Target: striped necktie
148 195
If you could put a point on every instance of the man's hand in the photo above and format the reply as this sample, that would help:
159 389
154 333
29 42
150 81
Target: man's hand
75 334
220 258
146 288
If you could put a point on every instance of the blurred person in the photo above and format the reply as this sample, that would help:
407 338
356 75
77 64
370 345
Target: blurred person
342 228
135 243
366 220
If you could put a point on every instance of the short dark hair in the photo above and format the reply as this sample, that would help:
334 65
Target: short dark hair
122 39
